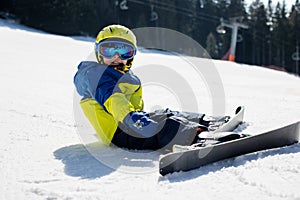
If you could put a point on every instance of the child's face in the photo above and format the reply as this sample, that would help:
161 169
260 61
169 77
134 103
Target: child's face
114 61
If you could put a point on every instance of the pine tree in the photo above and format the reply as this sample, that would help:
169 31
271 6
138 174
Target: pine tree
211 46
222 11
294 39
269 36
206 20
260 31
280 30
185 12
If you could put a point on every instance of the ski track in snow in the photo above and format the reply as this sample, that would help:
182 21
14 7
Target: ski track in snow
42 156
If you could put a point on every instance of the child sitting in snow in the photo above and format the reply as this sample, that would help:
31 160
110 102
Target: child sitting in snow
112 99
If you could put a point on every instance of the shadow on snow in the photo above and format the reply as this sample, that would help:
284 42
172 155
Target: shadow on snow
80 163
95 160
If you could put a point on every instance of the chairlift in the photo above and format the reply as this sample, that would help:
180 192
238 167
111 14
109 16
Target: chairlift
220 29
239 38
202 3
123 5
153 15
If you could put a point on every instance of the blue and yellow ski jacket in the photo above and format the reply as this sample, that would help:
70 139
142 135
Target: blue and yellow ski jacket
108 96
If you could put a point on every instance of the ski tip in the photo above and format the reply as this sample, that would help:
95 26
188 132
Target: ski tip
238 109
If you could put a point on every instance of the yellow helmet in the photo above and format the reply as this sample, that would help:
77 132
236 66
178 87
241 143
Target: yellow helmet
118 32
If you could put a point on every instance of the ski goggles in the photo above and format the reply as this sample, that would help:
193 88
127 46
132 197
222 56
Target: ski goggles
108 49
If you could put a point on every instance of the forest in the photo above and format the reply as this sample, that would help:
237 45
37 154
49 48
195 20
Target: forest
271 38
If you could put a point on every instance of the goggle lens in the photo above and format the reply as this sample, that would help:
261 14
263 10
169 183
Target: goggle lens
108 49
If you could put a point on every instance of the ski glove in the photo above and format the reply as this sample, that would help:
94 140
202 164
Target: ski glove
140 123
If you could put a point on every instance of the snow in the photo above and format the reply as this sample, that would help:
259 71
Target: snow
42 156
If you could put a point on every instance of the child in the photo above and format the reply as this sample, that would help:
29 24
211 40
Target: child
112 99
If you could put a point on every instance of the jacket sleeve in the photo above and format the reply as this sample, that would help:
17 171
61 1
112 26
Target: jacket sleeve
121 97
86 78
137 99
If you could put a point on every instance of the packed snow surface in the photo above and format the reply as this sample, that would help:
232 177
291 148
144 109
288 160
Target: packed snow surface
44 155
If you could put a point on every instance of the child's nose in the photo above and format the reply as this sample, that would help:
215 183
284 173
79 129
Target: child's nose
116 56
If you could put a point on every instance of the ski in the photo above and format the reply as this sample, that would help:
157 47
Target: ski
194 158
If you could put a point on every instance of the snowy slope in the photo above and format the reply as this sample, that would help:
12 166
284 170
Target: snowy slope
42 156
